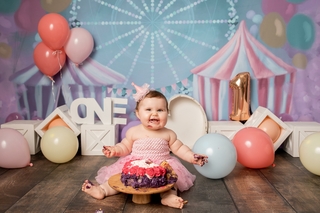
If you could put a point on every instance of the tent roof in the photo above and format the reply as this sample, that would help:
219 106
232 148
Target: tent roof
243 53
90 73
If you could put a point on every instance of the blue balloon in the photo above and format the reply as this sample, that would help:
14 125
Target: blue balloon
222 155
9 6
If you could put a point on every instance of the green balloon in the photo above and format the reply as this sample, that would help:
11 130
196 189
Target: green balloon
301 32
295 1
9 6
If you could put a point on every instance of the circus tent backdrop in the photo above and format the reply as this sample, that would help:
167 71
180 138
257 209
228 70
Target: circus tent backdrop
33 89
271 78
88 80
184 35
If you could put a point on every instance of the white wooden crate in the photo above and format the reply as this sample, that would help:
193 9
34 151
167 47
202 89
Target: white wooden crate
27 129
259 115
300 131
63 113
226 128
95 136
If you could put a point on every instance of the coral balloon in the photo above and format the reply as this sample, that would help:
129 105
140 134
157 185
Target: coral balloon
59 144
222 155
79 45
14 116
48 61
14 149
54 30
254 148
309 153
57 122
271 128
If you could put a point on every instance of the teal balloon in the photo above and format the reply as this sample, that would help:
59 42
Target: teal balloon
301 32
295 1
9 6
222 155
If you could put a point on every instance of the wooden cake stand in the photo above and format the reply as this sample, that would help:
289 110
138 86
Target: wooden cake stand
139 196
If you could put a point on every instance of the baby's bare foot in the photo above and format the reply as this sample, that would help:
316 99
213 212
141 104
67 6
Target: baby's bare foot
173 201
95 191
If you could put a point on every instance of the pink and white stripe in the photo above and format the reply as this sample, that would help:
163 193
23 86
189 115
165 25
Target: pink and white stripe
271 78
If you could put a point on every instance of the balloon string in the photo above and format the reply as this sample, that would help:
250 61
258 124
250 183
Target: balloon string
55 53
52 88
51 79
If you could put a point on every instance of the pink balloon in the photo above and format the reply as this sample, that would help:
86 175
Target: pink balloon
285 117
79 45
27 20
284 8
37 118
254 148
8 24
14 149
14 116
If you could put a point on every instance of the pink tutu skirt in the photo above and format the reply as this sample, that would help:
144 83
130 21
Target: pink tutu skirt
185 178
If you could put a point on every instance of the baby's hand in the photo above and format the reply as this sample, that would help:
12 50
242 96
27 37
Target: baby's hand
200 159
109 151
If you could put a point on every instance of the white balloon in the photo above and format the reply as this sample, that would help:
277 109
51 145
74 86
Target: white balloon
59 144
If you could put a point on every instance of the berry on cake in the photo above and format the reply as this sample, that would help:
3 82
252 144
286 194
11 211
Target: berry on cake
147 174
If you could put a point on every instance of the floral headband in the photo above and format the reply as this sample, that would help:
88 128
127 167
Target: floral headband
141 91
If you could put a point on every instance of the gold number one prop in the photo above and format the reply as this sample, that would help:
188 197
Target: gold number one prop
240 86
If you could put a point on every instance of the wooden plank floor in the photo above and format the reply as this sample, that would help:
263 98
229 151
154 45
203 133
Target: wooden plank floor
50 187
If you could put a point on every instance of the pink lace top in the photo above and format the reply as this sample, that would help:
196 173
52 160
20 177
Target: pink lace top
152 148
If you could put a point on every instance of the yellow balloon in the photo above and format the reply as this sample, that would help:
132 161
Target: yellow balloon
5 50
59 144
273 30
309 153
299 60
55 6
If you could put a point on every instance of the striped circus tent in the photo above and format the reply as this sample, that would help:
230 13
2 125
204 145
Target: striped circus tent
89 80
271 78
40 96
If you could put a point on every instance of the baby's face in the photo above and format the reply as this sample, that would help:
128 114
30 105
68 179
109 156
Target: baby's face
152 113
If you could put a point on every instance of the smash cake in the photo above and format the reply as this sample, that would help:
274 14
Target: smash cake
147 174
